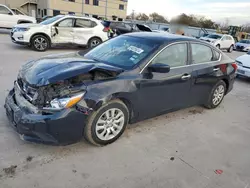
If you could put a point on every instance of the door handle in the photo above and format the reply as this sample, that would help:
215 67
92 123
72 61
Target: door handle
186 77
216 69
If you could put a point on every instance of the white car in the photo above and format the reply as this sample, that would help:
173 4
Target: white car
60 29
243 63
8 19
223 42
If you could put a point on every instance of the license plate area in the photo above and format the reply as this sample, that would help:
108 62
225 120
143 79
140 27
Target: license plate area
241 71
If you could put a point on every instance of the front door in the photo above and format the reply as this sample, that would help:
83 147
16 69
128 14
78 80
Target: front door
161 92
83 30
63 32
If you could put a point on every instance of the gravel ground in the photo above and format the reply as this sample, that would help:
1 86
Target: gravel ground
190 148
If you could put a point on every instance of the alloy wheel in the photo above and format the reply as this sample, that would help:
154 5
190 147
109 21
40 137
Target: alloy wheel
218 95
94 43
110 124
40 43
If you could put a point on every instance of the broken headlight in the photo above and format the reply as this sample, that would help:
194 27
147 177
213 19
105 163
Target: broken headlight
65 102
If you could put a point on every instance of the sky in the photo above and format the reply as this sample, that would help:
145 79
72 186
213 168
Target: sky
236 11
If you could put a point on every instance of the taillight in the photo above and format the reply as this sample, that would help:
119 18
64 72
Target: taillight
235 66
106 29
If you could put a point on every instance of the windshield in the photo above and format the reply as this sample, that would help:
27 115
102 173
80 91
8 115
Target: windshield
51 20
214 36
244 41
124 51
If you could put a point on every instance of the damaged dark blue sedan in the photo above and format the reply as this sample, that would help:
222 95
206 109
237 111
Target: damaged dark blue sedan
59 99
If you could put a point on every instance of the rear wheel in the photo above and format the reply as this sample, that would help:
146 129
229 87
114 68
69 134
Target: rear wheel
230 49
107 124
40 43
93 42
217 94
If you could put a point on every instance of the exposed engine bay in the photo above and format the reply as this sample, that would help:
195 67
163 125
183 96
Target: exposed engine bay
41 96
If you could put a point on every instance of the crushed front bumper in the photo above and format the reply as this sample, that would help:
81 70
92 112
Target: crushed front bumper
60 128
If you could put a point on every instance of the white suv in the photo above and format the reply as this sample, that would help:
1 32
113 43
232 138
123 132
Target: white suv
9 19
60 29
223 42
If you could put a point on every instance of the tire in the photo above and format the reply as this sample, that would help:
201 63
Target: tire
218 90
230 49
40 43
108 131
93 42
217 46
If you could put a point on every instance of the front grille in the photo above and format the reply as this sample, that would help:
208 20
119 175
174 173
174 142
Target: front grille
239 47
28 91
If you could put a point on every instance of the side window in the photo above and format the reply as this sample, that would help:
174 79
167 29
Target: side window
216 55
83 23
66 23
4 10
201 53
174 55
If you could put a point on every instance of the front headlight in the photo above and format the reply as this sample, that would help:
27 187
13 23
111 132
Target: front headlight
65 102
19 29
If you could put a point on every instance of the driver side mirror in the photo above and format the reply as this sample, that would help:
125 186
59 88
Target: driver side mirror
159 68
10 13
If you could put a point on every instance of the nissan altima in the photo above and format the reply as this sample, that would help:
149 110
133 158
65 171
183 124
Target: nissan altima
59 99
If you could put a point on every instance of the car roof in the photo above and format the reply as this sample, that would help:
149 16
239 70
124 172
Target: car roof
73 16
162 37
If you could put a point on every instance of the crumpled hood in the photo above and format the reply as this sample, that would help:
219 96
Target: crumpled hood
207 39
52 69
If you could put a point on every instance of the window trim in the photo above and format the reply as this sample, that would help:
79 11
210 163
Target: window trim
213 49
158 53
73 19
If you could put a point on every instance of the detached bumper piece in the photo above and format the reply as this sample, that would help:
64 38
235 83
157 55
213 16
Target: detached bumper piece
60 128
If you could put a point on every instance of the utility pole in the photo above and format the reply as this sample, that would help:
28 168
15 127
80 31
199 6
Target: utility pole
106 9
133 14
82 6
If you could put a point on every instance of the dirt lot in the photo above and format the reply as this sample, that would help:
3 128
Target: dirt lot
190 148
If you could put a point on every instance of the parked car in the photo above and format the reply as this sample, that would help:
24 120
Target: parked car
8 18
119 28
221 41
80 31
132 77
243 63
243 45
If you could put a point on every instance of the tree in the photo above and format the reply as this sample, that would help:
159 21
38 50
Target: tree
194 20
158 18
142 16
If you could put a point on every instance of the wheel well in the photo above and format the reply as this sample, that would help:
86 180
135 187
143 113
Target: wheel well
227 83
23 21
43 34
129 106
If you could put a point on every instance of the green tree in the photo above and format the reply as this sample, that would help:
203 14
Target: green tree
158 18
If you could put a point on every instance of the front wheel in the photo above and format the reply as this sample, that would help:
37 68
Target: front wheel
217 94
107 124
230 49
40 43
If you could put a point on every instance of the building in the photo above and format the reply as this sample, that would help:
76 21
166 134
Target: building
110 9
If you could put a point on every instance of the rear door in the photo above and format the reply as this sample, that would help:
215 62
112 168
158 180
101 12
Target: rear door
83 30
206 71
161 92
224 42
63 32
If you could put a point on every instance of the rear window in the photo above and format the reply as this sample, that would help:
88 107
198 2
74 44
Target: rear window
125 52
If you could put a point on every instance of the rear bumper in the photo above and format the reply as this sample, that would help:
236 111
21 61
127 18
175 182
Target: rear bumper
60 128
